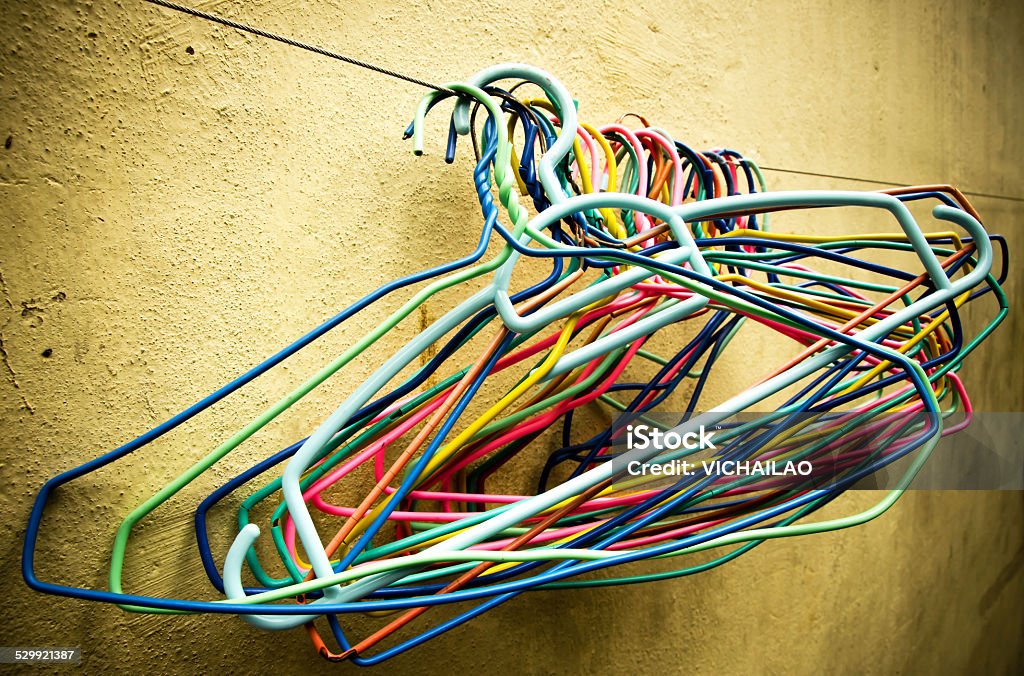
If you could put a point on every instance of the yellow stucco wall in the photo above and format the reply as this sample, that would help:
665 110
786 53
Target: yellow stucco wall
179 200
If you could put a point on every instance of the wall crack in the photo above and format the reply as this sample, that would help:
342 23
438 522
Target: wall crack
14 376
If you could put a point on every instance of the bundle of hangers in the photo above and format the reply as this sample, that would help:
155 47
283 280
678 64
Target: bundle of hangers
639 234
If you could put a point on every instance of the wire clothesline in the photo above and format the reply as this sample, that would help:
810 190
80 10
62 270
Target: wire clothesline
424 83
296 43
875 181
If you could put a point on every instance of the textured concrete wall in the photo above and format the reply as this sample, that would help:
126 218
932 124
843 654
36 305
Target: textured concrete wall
179 200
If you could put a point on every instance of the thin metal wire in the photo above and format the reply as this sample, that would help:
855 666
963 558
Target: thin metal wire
887 183
423 83
296 43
